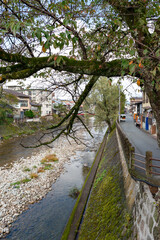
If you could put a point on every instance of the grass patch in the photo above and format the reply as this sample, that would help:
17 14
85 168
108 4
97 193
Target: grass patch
16 183
43 161
41 169
25 180
26 169
49 158
48 166
34 175
100 177
7 137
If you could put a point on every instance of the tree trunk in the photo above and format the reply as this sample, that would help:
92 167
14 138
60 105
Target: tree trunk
156 110
109 124
153 92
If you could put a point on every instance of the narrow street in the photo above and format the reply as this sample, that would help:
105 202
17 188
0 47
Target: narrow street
141 140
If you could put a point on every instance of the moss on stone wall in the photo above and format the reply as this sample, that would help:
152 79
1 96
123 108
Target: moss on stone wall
107 216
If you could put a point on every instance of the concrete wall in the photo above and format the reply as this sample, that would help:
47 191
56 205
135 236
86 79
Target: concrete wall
143 202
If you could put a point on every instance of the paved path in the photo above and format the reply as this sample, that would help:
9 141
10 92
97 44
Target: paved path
141 140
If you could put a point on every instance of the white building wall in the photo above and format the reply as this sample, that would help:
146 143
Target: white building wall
43 97
40 96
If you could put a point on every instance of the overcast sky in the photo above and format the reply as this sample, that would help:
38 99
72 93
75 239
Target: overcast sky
130 89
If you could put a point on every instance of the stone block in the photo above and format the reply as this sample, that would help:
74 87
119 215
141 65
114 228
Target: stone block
151 224
156 216
142 226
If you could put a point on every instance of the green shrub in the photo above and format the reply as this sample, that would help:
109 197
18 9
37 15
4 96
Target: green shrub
29 114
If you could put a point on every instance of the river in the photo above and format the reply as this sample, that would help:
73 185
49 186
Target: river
46 219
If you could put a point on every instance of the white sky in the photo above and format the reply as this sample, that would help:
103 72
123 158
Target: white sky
130 89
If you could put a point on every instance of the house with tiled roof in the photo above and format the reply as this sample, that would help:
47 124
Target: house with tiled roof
23 102
39 96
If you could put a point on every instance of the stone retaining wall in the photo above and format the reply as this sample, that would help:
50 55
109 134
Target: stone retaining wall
144 203
146 214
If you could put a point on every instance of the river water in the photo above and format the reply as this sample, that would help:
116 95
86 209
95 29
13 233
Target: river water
11 150
46 219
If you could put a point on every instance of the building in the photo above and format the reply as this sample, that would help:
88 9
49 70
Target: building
136 105
40 98
141 107
23 103
148 120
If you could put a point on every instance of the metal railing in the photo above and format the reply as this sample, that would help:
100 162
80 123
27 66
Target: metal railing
140 166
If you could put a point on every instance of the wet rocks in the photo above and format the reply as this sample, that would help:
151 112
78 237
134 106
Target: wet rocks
18 189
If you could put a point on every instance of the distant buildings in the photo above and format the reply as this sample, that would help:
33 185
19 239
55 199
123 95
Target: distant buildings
67 104
39 99
141 108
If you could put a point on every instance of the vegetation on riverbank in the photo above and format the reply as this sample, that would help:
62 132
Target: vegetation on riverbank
107 216
25 128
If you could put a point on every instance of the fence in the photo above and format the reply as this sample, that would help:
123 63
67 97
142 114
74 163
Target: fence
141 167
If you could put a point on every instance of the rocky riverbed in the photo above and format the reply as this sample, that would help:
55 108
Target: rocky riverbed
29 179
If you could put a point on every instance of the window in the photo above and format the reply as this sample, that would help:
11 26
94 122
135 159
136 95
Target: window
46 105
23 103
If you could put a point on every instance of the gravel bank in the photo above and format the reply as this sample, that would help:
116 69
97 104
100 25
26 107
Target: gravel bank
24 183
